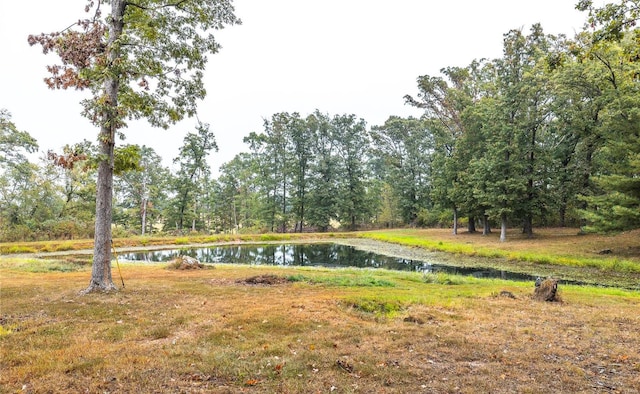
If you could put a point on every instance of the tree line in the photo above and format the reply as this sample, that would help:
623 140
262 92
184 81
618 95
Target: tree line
546 135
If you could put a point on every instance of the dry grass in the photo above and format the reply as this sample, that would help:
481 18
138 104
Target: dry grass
192 239
208 331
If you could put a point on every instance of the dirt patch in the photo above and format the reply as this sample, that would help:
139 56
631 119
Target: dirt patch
413 319
264 280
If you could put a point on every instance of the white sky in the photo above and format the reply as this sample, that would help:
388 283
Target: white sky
339 56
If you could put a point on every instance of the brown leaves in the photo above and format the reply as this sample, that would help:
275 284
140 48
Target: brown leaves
78 50
66 161
64 78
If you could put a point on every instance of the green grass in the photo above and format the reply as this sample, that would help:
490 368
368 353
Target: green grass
495 251
350 279
41 266
181 241
377 307
16 249
448 279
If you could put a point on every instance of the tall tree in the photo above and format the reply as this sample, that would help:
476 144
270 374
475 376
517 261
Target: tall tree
144 60
239 202
301 160
144 190
511 168
193 173
16 175
352 147
271 149
406 146
445 101
323 188
616 46
581 90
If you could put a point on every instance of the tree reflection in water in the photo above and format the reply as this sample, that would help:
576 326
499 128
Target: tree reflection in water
318 254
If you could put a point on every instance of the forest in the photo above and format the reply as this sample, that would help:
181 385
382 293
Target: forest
546 135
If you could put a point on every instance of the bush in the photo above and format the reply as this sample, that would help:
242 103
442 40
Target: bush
434 218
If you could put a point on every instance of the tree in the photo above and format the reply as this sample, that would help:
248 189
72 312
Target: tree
16 175
76 176
612 20
239 203
445 102
352 146
144 60
323 188
616 47
406 146
581 90
301 160
511 173
192 174
14 144
272 154
144 190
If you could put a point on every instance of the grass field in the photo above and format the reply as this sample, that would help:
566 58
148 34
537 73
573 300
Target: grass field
305 330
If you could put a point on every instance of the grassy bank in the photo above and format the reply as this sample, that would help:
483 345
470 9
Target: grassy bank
560 252
84 244
309 330
563 247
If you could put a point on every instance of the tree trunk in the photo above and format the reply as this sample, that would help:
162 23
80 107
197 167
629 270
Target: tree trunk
235 218
144 216
503 227
563 213
527 227
486 228
101 279
455 221
284 205
195 216
183 205
471 227
303 195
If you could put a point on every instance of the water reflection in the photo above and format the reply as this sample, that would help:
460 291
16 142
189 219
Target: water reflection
325 255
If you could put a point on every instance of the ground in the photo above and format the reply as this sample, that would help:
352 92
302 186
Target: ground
266 329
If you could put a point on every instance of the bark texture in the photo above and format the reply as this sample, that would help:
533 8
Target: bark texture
101 279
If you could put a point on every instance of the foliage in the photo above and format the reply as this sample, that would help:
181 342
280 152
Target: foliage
547 134
615 48
405 146
144 60
142 193
191 180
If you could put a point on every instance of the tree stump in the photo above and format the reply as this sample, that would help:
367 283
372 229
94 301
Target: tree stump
546 290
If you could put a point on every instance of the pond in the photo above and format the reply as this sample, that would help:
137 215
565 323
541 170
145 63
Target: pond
320 254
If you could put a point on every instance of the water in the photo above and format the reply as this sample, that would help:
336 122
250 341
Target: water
323 255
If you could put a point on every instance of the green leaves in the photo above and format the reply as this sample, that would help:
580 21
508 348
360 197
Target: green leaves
161 48
13 142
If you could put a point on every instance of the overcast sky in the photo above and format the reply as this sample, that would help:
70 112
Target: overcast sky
339 56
